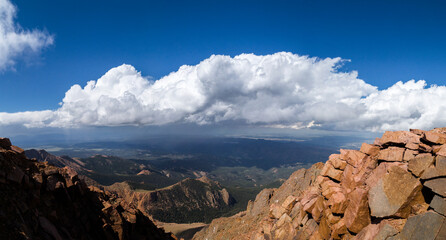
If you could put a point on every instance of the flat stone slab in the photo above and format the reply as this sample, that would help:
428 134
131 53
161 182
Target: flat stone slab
437 185
391 154
420 163
393 193
425 226
439 205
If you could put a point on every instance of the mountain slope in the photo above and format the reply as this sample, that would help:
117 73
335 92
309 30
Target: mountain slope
64 161
190 200
392 189
41 201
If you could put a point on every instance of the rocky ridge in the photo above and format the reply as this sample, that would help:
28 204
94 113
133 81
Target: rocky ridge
394 188
187 200
41 201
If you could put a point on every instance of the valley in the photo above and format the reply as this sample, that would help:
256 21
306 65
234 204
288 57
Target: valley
149 172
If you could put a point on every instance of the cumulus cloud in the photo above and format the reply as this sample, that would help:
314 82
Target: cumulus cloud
278 90
14 40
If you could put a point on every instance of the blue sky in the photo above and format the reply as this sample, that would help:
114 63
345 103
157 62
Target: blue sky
386 41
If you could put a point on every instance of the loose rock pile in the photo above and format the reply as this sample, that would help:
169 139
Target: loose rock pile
394 188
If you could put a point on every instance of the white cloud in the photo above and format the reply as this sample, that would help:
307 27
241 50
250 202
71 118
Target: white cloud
15 41
279 90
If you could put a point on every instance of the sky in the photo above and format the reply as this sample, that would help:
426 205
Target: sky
333 65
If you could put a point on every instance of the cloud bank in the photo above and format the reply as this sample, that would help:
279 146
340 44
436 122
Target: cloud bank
279 90
15 41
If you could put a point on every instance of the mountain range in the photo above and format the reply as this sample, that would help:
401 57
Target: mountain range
391 189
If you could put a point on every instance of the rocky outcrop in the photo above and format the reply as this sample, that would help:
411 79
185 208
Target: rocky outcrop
270 206
41 201
392 189
190 200
63 161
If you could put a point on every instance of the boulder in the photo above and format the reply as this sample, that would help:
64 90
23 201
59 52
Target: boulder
5 143
381 170
423 226
339 229
409 154
439 170
357 214
437 185
418 132
400 137
442 151
261 202
371 150
338 203
379 231
439 205
420 163
17 149
289 203
425 148
329 188
391 154
393 194
435 137
331 172
353 157
276 211
336 161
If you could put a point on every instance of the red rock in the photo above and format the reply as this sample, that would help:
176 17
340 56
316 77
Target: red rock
348 181
413 146
437 185
283 220
17 149
391 154
331 172
353 157
339 229
423 226
336 161
338 203
383 230
365 170
357 214
331 219
393 193
440 163
329 188
434 137
377 142
442 151
420 163
317 208
425 147
400 137
439 170
276 211
418 132
409 154
371 150
289 203
324 229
